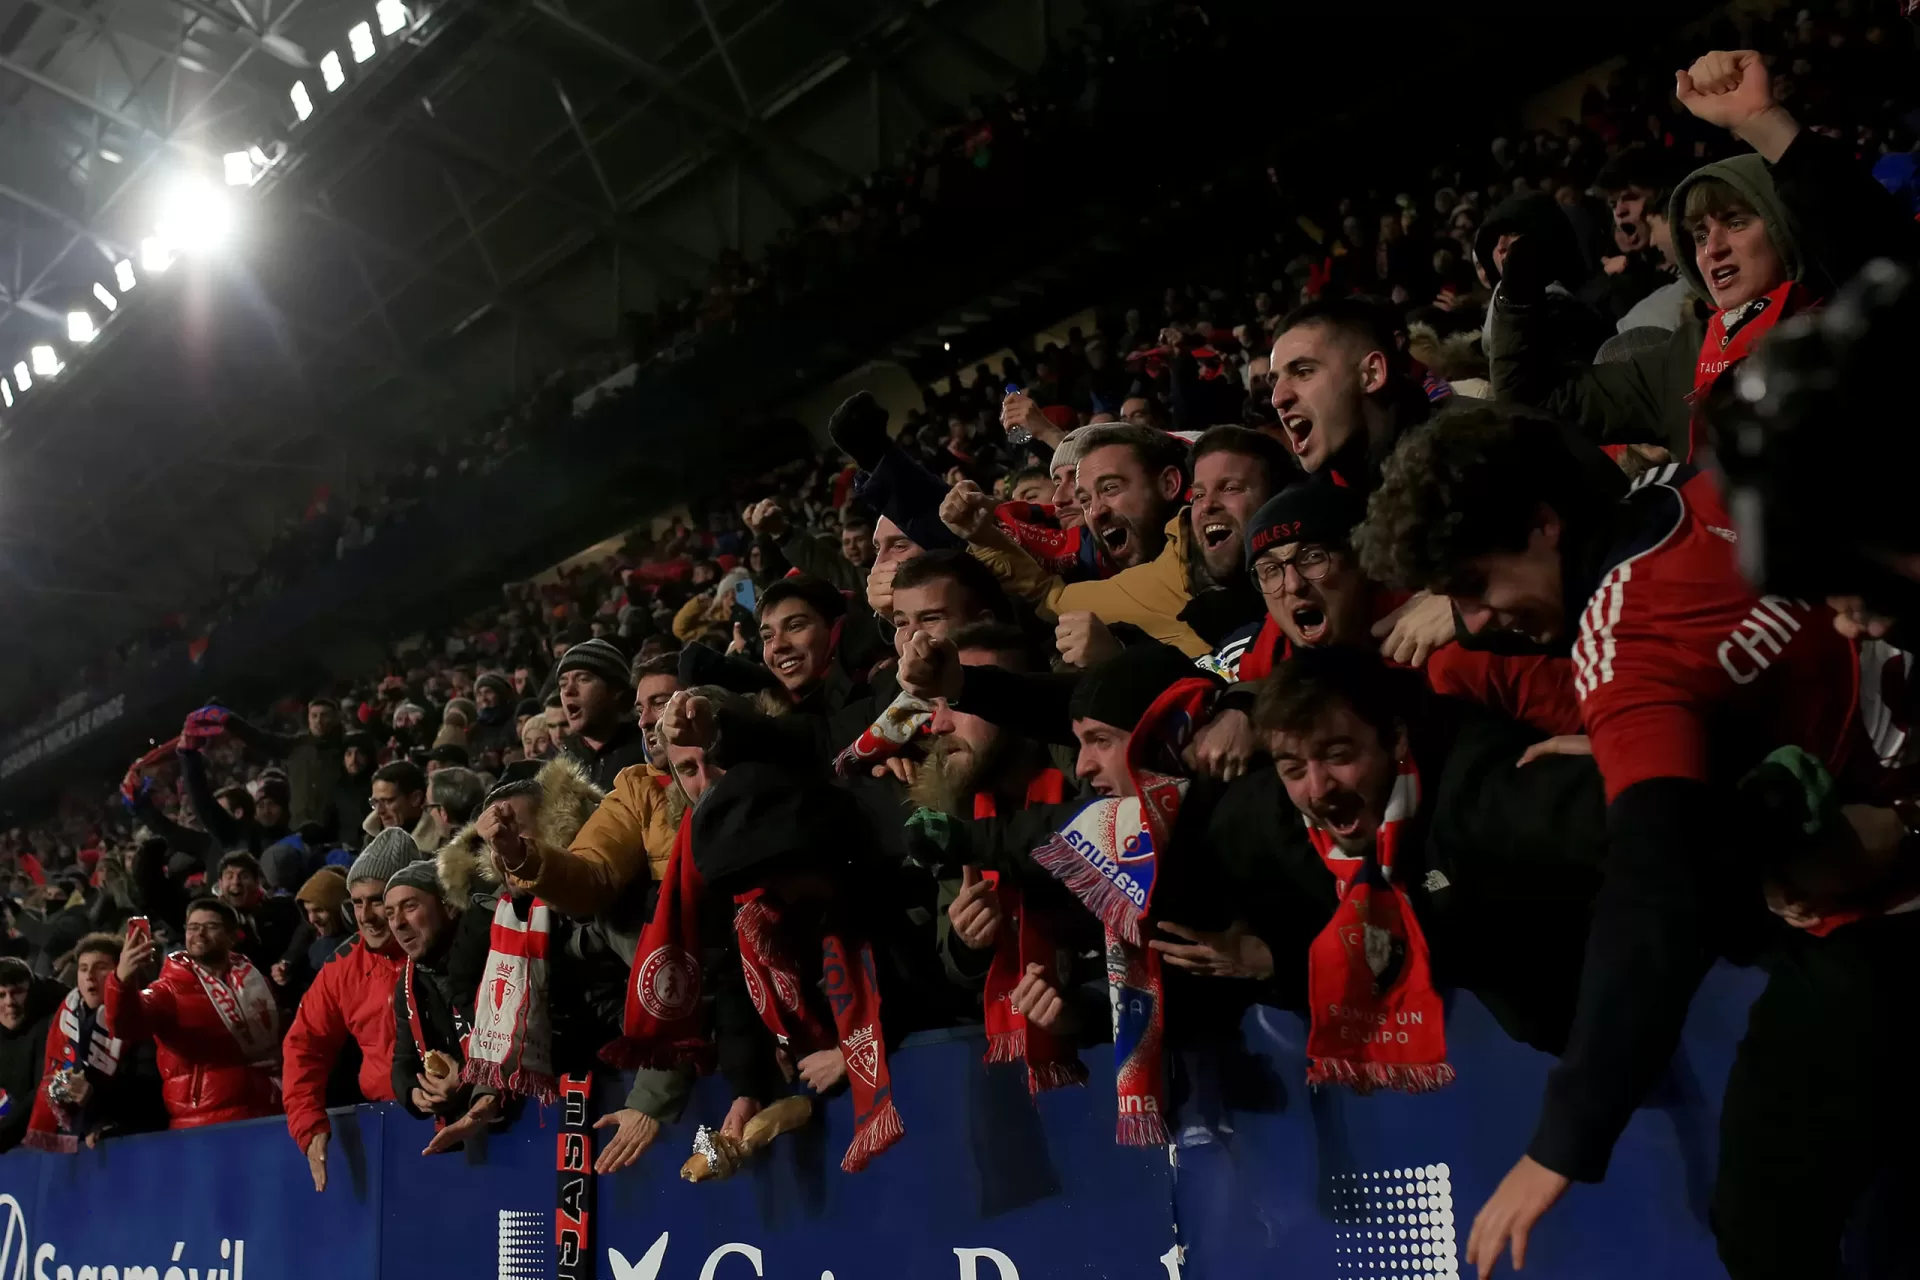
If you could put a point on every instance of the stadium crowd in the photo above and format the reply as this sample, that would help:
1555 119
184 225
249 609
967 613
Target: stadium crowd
1001 713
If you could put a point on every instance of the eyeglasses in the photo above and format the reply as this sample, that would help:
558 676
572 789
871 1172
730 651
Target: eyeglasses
1311 563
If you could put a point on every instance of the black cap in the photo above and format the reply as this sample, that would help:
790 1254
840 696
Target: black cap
1119 690
1317 510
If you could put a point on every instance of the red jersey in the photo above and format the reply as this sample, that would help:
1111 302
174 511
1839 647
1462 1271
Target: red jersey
1683 670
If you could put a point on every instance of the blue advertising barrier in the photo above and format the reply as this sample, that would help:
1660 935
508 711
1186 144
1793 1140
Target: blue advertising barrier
1271 1179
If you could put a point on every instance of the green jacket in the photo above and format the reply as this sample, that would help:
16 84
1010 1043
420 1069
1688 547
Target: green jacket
1827 217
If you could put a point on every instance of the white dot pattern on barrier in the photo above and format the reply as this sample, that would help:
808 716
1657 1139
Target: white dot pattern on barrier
1395 1224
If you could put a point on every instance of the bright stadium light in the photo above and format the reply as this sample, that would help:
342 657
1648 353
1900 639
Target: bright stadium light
123 274
392 16
21 378
46 361
331 71
238 166
360 41
155 257
6 392
195 215
105 295
302 100
80 327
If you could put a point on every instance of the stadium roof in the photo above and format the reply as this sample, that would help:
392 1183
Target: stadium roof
490 187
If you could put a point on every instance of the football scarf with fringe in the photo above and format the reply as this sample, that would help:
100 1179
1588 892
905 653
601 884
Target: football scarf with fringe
1024 937
1107 857
853 994
1377 1021
511 1047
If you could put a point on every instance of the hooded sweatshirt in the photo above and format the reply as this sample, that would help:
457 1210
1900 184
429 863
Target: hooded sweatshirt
23 1057
1826 217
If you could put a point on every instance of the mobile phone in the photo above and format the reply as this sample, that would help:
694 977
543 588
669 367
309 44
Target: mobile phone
743 594
139 927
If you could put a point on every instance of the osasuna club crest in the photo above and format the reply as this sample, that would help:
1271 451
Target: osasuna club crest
669 983
862 1051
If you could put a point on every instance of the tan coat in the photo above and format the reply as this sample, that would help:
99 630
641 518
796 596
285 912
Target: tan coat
630 834
568 799
1151 596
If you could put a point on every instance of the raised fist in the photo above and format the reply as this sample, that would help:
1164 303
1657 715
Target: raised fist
1727 89
1083 640
966 510
687 721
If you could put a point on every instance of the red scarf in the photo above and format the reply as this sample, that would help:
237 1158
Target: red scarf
1065 552
1050 1061
1108 857
853 994
1377 1021
1731 336
1269 647
664 1026
665 1023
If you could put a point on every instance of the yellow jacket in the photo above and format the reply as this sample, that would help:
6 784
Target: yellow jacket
629 835
1150 596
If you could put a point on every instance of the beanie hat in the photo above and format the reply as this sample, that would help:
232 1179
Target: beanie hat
362 739
597 657
1067 452
448 751
285 863
466 707
385 854
527 707
501 686
423 875
325 889
1311 511
274 788
1119 690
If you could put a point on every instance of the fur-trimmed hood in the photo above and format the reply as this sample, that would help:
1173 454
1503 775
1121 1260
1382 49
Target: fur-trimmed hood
567 798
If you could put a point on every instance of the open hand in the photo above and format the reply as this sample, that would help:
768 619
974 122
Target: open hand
1566 744
1518 1203
634 1132
478 1117
1233 953
317 1160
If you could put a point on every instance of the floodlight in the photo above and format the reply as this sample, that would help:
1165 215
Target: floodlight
260 158
123 274
80 327
194 215
21 378
239 168
155 257
46 361
302 100
331 72
392 16
105 295
111 157
360 41
6 393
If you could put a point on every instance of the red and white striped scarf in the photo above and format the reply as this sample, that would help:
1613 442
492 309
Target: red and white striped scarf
244 1002
511 1046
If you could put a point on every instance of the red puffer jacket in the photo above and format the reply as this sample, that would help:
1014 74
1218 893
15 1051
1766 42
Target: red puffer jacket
351 997
205 1076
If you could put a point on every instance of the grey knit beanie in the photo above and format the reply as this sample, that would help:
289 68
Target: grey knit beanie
598 657
423 875
385 854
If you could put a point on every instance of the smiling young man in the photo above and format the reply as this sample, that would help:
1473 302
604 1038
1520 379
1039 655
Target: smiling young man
1756 237
1688 679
